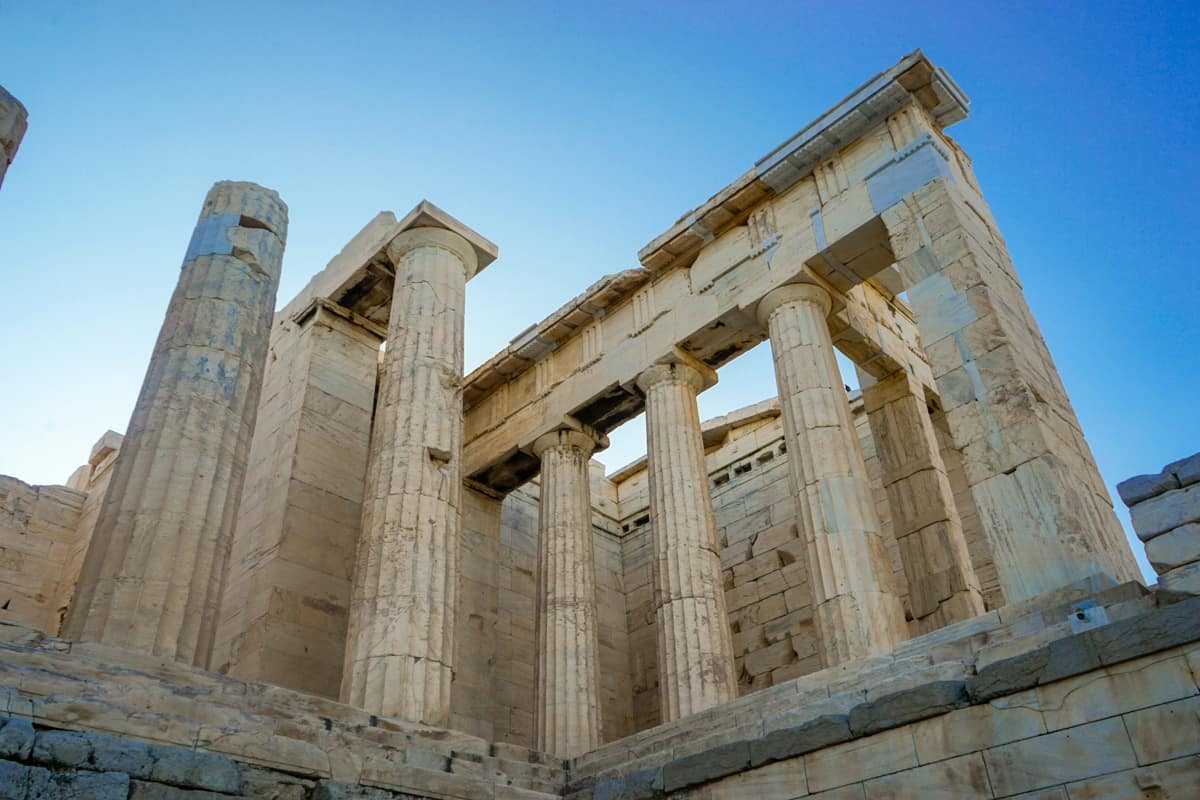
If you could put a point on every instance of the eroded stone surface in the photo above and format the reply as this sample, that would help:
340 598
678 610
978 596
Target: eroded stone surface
155 566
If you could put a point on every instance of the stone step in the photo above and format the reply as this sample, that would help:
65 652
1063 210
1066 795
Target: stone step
91 687
947 654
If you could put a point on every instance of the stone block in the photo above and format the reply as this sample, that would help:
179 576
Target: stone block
979 727
1170 780
955 779
62 749
709 765
1060 757
1059 659
860 759
1143 487
854 792
266 784
909 705
1115 690
145 790
14 780
1172 626
337 790
1160 514
1174 548
785 779
815 734
194 769
114 754
640 785
16 739
81 784
1185 470
1180 582
1170 730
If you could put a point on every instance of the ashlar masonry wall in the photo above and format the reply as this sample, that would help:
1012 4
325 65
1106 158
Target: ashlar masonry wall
766 578
38 527
495 682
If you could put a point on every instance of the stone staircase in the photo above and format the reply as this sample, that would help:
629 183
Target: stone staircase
925 676
279 737
288 744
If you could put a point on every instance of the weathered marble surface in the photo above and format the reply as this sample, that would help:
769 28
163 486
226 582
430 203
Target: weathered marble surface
155 567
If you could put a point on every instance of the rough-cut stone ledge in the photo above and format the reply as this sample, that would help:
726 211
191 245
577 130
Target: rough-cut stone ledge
1158 629
95 709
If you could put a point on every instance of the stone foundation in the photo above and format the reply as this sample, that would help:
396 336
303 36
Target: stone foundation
1025 699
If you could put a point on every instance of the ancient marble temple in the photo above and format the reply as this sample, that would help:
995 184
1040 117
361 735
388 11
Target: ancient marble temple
322 562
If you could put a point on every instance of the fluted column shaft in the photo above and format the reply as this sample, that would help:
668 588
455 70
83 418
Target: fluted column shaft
695 649
153 574
568 679
942 587
399 650
857 610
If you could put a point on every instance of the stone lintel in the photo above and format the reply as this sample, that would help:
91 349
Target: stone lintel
426 215
320 304
914 77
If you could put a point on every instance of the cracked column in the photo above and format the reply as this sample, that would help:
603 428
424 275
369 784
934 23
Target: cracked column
568 679
13 119
400 645
858 612
695 649
154 571
942 587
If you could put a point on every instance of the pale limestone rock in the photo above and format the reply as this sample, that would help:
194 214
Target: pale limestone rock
1092 749
13 122
1175 548
695 650
1157 515
1180 582
942 587
1166 731
857 610
153 575
568 707
1044 509
400 645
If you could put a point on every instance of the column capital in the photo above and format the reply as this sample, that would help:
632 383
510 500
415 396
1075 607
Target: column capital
574 434
418 238
472 249
792 294
692 372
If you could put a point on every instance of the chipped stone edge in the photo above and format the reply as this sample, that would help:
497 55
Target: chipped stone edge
1160 629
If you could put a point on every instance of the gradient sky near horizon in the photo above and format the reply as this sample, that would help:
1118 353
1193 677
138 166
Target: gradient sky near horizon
571 134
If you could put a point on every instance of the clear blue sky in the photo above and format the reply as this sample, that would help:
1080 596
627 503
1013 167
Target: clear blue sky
571 136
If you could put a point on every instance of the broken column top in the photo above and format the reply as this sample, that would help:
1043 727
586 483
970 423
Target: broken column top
257 206
427 215
13 120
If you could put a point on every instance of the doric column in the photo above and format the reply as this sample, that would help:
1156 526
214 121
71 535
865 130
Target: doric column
568 680
857 610
153 574
942 587
13 118
695 649
399 650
